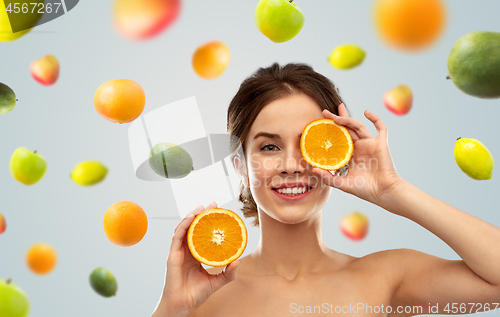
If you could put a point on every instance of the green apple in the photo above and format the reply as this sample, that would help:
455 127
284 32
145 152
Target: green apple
7 99
279 20
26 166
13 301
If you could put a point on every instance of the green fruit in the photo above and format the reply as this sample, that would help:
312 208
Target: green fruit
346 56
22 22
474 159
279 20
7 99
170 160
13 301
89 173
27 167
474 64
103 282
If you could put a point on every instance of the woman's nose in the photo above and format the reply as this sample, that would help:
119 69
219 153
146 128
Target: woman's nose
293 162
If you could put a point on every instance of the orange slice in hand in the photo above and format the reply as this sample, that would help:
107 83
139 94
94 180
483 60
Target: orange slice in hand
326 145
217 237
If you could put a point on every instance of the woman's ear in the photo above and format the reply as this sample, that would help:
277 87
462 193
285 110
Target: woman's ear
242 170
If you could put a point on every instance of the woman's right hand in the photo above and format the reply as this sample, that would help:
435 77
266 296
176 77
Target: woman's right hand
187 283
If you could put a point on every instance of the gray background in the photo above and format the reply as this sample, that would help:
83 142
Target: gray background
61 123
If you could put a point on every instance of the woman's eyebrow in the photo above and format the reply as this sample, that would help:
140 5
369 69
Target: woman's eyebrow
267 135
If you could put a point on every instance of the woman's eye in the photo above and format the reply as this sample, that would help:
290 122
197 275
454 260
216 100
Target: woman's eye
269 147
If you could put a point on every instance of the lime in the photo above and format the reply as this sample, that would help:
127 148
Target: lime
346 56
89 173
473 158
7 99
103 282
170 161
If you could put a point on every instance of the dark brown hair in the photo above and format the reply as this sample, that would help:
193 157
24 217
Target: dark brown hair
262 87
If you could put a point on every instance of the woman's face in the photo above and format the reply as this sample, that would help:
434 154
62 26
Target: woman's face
275 164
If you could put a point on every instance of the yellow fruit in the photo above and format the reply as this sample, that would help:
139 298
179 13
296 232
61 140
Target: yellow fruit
89 173
23 21
125 223
474 159
41 258
120 100
326 145
217 237
346 56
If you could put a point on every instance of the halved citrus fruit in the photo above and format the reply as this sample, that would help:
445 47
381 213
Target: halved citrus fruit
326 145
217 237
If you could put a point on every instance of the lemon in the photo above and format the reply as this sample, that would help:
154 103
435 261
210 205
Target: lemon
346 56
23 21
473 158
89 173
170 161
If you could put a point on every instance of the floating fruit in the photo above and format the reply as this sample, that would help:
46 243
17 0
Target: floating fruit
45 70
211 59
140 20
7 99
354 226
326 145
3 224
346 56
13 300
279 20
26 166
41 258
103 282
89 173
120 100
13 26
125 223
473 158
399 100
474 64
409 24
170 161
217 237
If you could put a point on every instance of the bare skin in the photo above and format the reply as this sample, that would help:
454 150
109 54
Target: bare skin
292 270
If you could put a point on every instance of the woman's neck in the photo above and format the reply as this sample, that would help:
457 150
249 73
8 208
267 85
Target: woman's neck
290 250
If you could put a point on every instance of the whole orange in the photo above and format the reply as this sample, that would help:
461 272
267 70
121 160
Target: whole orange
409 24
211 59
41 258
125 223
120 100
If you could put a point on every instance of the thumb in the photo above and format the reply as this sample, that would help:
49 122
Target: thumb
224 277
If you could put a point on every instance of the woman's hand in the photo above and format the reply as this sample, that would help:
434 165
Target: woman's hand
371 172
187 283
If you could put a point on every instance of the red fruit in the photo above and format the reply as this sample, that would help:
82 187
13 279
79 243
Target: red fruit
354 226
45 70
399 100
3 224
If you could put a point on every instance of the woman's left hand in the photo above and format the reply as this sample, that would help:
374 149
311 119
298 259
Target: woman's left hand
371 173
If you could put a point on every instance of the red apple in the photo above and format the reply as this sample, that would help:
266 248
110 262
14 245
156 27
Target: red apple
354 226
45 70
3 224
140 19
399 100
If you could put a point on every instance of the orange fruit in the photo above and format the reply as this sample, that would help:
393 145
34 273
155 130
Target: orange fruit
211 59
326 145
217 237
120 100
41 258
125 223
409 24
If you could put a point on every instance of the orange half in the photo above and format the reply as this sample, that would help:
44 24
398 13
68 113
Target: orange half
217 237
326 145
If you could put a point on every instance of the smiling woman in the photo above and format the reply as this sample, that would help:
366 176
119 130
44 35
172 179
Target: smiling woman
292 268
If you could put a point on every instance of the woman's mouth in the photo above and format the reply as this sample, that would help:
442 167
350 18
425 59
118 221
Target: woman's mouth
292 193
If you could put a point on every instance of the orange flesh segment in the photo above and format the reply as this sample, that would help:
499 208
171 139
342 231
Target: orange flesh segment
326 144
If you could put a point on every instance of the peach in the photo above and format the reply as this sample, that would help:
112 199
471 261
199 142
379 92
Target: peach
354 226
3 224
45 70
399 100
140 19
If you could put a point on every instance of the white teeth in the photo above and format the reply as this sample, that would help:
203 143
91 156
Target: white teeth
292 191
